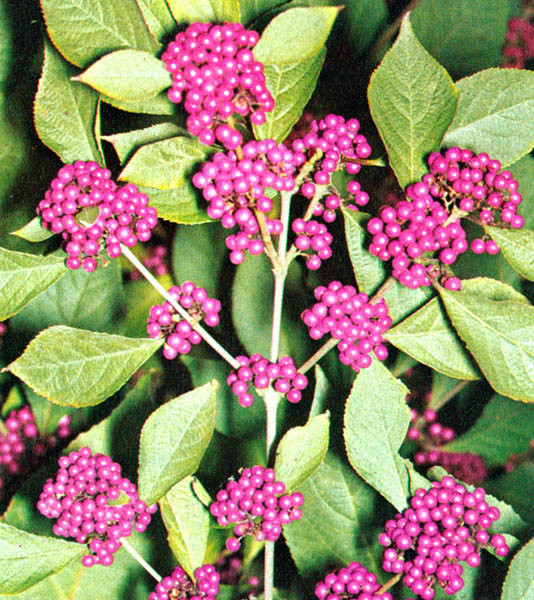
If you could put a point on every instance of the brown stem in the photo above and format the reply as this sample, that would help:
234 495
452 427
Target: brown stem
267 241
323 350
382 290
389 583
449 395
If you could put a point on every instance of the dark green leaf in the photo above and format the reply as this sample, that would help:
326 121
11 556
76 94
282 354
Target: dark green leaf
321 392
517 246
80 368
364 19
514 487
412 101
33 231
174 439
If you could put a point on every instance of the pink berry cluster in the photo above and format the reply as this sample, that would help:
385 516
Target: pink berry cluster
178 585
443 526
424 236
257 503
353 582
80 499
430 435
236 188
312 239
519 45
261 372
22 448
92 213
179 334
347 315
155 261
214 73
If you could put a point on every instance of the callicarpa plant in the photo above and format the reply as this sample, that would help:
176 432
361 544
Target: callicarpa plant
265 316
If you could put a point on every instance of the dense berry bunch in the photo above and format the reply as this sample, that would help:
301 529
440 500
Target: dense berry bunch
214 73
80 498
519 45
348 316
155 260
165 322
178 585
237 189
353 582
261 372
333 143
313 240
92 213
443 526
258 504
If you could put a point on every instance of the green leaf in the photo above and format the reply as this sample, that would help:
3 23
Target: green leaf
252 9
519 582
25 276
403 301
517 246
412 101
499 334
376 421
301 451
295 35
495 109
504 428
492 289
336 509
320 393
14 149
158 105
157 17
27 559
125 144
428 336
514 488
462 43
189 11
33 231
80 368
291 86
187 521
368 269
64 111
179 205
85 30
364 20
165 164
174 439
127 75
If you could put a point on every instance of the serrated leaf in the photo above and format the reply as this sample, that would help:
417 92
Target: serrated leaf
499 334
301 451
64 111
179 205
495 110
291 86
33 231
190 11
187 521
519 582
174 439
158 105
127 75
376 421
23 277
428 336
125 144
368 270
165 164
517 246
80 368
337 505
493 289
85 30
504 428
157 17
27 559
295 35
412 101
403 301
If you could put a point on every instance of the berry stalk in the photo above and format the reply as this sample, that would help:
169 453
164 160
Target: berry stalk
133 552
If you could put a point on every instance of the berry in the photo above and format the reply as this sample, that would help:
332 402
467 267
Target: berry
179 585
353 582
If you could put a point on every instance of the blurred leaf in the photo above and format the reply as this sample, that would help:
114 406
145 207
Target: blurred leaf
412 101
187 521
165 164
515 489
127 75
25 276
291 86
157 17
335 513
14 146
504 428
495 109
364 19
125 144
33 231
301 451
252 9
517 246
64 111
27 559
178 205
174 439
443 386
190 11
465 35
499 334
376 421
85 30
519 582
78 367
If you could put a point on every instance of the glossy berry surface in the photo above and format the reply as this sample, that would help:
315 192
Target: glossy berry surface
353 582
